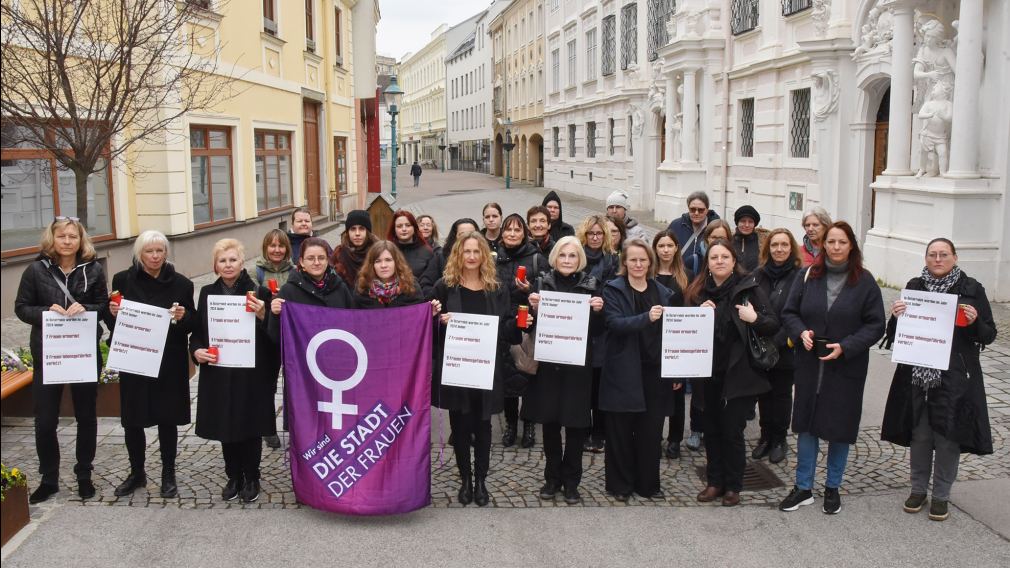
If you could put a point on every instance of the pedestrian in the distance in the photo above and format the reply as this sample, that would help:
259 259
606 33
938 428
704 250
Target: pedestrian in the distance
940 415
66 279
415 172
837 312
235 406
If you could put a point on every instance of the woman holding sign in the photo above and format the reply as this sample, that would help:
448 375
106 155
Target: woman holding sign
633 395
837 314
741 308
65 279
941 414
471 286
561 395
162 401
235 402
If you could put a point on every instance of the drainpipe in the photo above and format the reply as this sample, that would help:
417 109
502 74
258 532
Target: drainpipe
727 64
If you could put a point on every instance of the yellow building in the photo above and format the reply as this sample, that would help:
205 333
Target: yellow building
288 137
517 41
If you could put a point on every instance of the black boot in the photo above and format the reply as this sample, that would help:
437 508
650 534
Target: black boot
764 445
480 495
508 437
133 482
231 489
529 435
465 495
169 488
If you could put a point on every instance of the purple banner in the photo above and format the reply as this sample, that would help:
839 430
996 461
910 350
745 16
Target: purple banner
358 394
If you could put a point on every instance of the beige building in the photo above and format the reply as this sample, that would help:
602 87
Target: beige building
286 139
517 43
421 124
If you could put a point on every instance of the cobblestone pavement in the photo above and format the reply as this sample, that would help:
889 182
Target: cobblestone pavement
516 474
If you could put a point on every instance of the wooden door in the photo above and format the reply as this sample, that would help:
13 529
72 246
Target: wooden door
879 163
311 131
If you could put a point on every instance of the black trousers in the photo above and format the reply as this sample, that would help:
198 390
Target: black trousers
698 406
136 446
633 453
725 450
512 408
242 459
470 431
563 466
675 432
598 430
776 406
47 416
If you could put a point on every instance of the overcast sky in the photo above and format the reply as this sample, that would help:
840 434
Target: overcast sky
406 25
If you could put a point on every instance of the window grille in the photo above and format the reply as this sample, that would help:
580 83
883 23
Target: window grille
799 128
590 139
744 16
790 7
609 40
629 35
557 141
747 128
610 136
571 140
659 13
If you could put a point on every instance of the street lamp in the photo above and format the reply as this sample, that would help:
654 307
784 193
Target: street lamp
441 147
508 145
392 94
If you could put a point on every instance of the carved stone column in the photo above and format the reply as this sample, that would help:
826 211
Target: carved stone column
671 96
967 78
689 132
899 136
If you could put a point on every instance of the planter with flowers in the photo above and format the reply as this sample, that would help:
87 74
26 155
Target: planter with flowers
13 503
20 402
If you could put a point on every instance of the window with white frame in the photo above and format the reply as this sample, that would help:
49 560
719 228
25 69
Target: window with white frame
659 13
799 124
744 15
573 72
609 39
555 70
591 55
629 35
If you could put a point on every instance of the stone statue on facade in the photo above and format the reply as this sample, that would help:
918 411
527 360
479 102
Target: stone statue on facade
934 60
934 137
826 93
876 33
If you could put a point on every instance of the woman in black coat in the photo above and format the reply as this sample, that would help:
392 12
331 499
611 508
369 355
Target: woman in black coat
561 395
66 262
941 414
514 250
732 390
314 283
436 267
385 280
403 231
471 286
780 261
162 401
670 272
559 229
235 406
633 395
837 308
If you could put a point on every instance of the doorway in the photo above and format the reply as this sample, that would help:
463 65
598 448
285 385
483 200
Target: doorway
879 148
310 129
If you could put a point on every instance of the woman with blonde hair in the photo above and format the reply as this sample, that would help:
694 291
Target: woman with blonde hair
470 285
162 401
67 280
234 405
275 264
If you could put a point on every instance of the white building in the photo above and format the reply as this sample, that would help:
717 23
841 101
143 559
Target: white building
602 59
468 90
422 116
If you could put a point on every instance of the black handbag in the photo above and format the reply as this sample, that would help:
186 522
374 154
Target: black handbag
763 353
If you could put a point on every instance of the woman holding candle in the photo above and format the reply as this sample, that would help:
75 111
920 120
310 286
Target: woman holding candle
314 283
235 406
162 401
561 395
65 279
938 414
272 271
471 286
837 313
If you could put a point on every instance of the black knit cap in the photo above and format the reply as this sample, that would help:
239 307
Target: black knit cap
746 211
358 217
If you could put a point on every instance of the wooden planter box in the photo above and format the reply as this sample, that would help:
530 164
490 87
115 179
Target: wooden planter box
107 404
13 512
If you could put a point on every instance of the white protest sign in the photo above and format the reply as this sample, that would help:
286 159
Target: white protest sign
562 328
232 330
69 348
687 342
926 330
471 346
139 341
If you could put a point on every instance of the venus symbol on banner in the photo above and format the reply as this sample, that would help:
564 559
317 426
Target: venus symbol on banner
336 406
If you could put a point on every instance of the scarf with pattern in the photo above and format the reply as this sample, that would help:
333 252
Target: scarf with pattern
924 377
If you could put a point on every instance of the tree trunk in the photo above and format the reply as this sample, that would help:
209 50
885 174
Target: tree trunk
81 181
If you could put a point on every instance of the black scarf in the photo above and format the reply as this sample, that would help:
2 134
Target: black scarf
724 310
349 261
593 257
776 272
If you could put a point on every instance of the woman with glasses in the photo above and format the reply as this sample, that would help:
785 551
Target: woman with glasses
162 401
314 283
64 279
689 226
938 414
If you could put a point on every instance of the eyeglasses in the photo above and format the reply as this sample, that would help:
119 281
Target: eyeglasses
697 209
595 234
66 218
938 255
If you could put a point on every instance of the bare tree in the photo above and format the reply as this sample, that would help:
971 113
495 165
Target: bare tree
87 79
